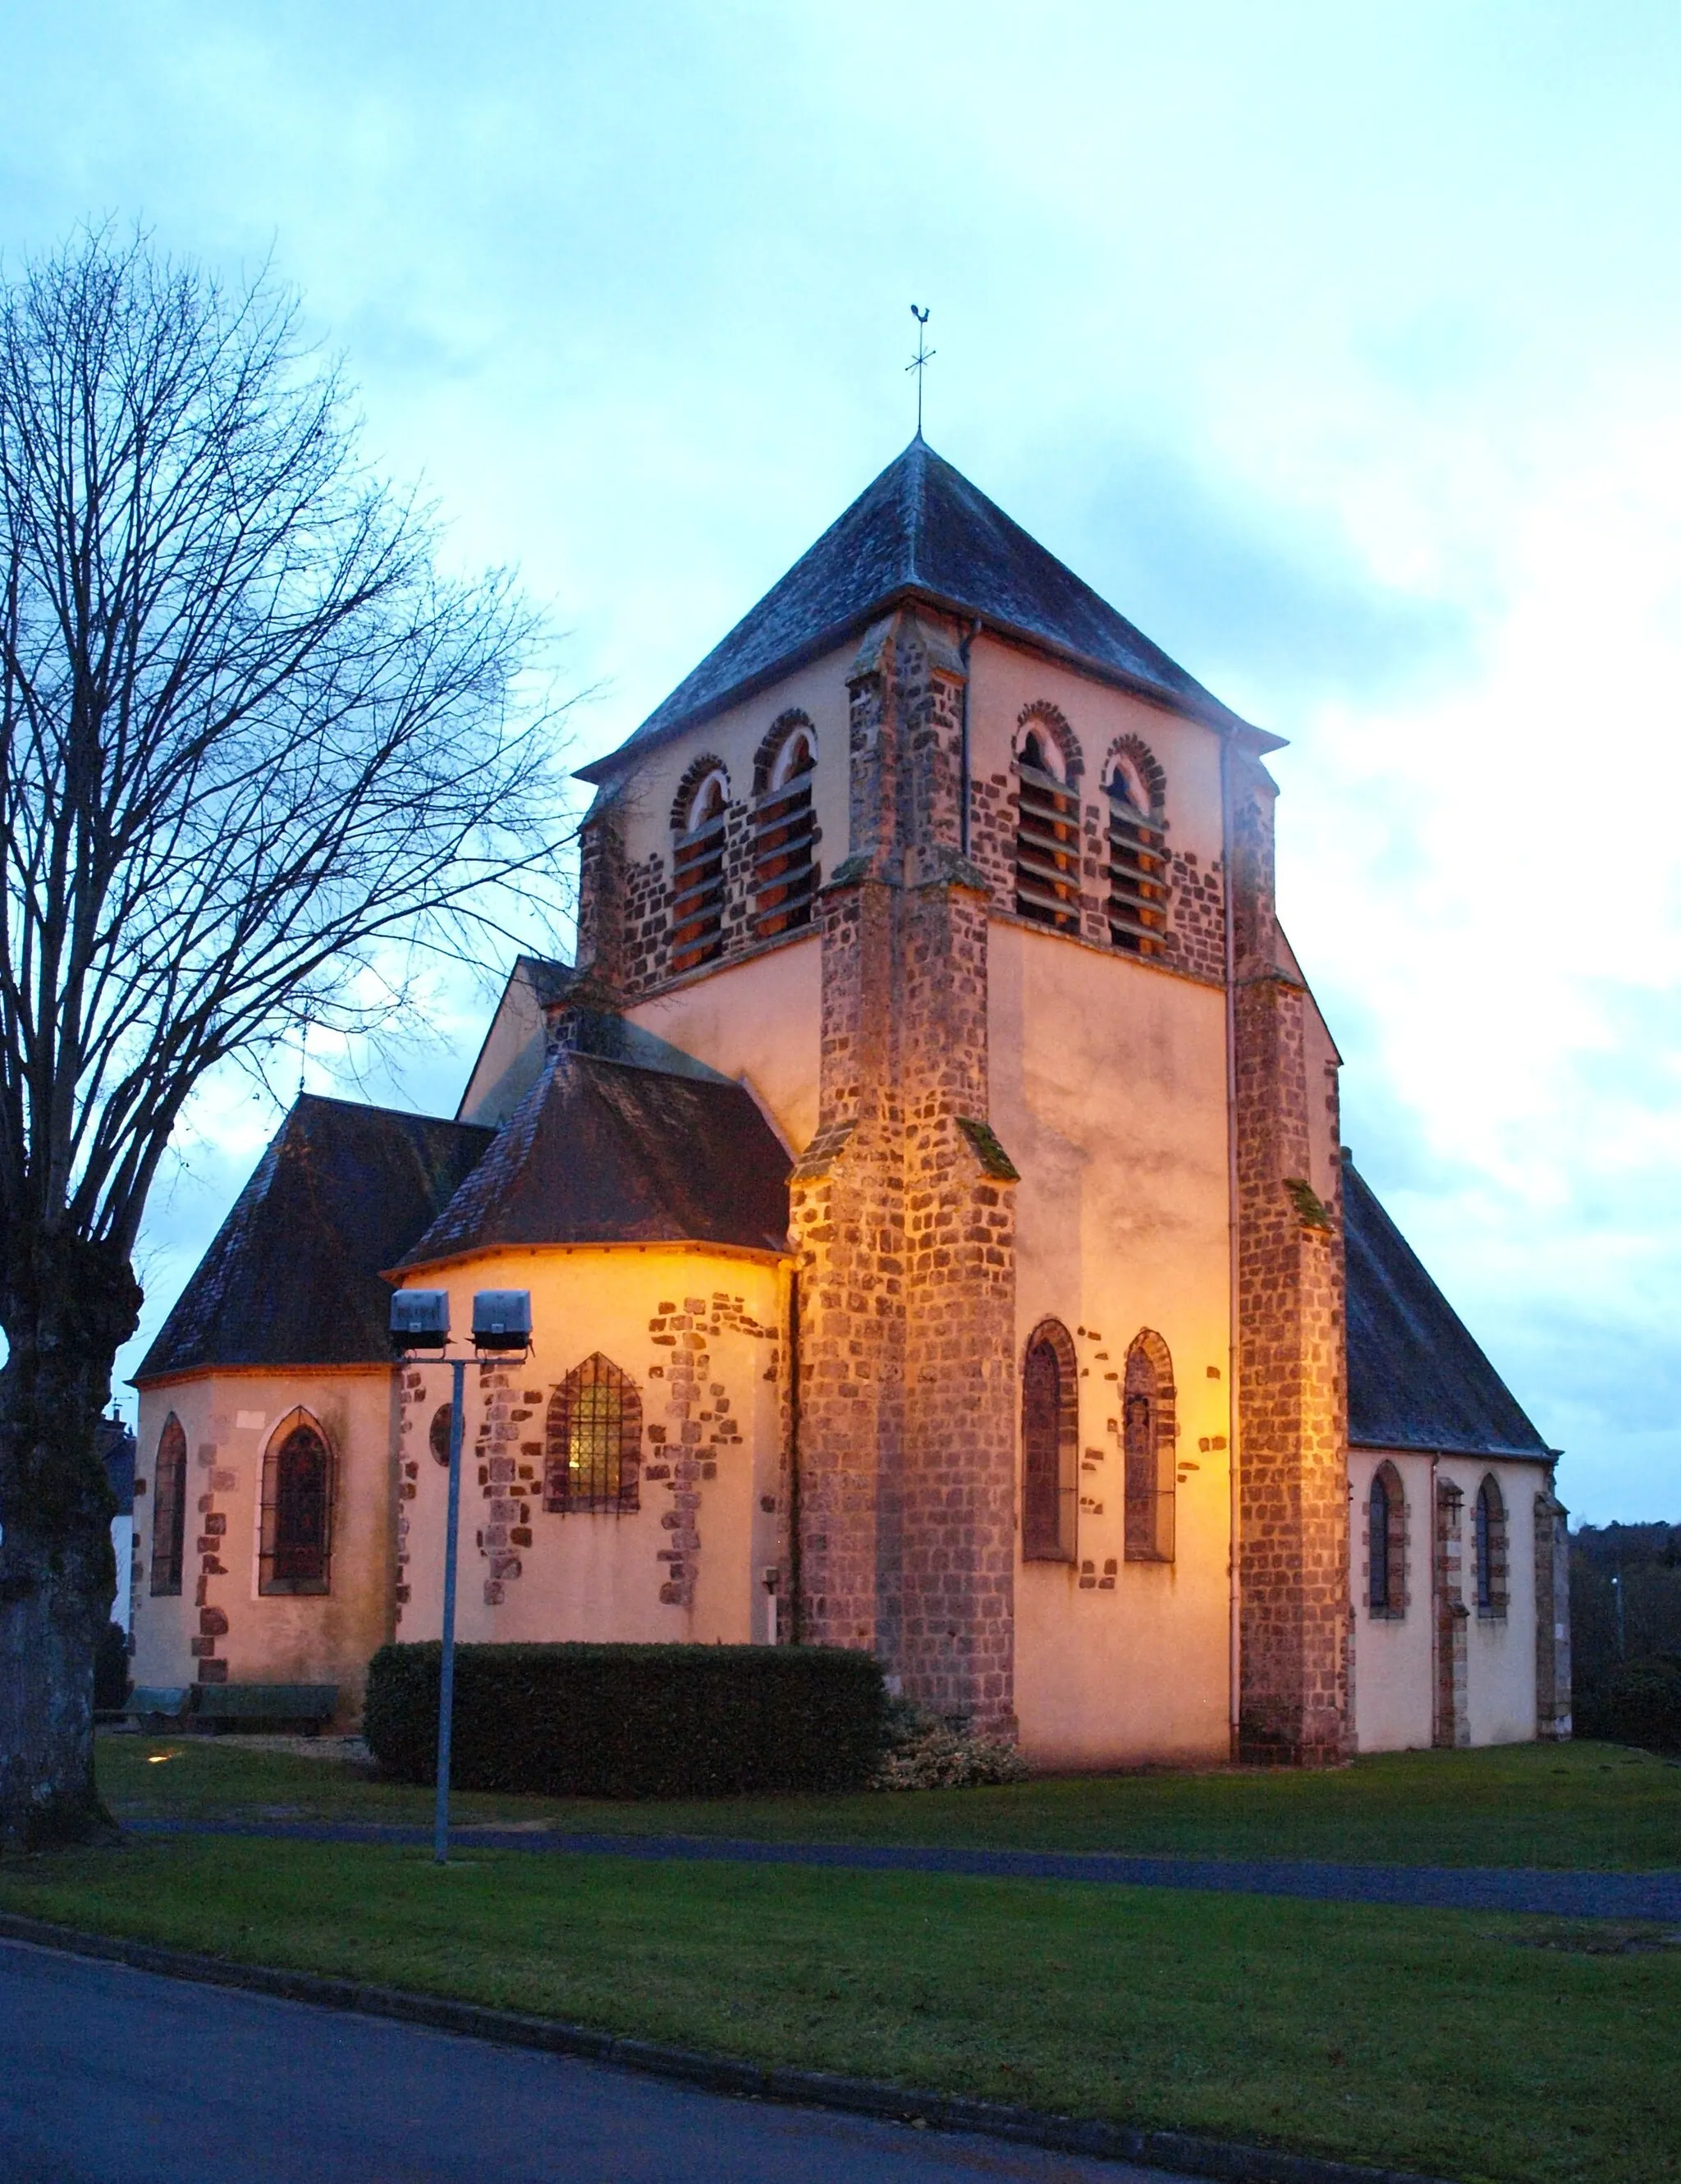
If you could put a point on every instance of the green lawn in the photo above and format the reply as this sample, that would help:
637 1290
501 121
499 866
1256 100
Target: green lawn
1464 2045
1545 1805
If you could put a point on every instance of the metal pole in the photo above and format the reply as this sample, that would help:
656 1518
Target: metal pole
446 1681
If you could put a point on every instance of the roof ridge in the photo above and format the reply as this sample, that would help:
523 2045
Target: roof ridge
373 1107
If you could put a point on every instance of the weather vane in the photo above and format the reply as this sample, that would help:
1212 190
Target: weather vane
920 360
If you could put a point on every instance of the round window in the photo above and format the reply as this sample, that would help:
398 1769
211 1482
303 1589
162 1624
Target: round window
439 1434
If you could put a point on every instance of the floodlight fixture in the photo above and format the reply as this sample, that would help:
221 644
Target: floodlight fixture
419 1320
502 1319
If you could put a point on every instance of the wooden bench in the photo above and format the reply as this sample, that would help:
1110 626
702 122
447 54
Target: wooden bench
161 1706
272 1707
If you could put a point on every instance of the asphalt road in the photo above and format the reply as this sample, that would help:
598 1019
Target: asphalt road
113 2076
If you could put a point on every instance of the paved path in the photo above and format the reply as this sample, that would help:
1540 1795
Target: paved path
113 2076
1656 1896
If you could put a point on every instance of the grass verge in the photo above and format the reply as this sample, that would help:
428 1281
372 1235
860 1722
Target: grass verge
1573 1805
1464 2045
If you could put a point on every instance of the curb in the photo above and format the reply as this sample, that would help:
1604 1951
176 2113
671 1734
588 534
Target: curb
1218 2159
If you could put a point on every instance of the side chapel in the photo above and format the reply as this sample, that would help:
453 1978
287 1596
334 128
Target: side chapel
929 1187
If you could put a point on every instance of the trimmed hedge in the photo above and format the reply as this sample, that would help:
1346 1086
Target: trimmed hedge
632 1721
1638 1702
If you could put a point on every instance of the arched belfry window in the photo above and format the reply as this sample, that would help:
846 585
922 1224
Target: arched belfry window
1491 1555
1050 1436
700 823
1386 1545
1137 906
593 1452
1149 1435
785 873
296 1550
168 1509
1048 824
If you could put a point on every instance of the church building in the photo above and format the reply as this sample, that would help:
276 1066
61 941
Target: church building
929 1187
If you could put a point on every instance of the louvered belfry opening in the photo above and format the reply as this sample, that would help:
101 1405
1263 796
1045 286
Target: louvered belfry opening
697 880
785 873
1137 871
593 1445
1046 842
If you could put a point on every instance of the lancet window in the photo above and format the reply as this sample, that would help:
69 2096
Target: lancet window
1491 1556
1386 1544
1050 1444
1149 1434
1137 905
699 821
593 1453
168 1509
1047 833
295 1554
785 873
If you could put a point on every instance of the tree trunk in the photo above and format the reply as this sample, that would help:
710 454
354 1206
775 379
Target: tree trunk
67 1305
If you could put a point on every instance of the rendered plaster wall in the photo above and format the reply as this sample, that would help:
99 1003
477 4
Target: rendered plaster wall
701 1334
220 1629
1394 1662
759 1019
1393 1656
1108 1092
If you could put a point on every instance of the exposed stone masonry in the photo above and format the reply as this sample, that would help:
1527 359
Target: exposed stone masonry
903 1231
1293 1492
213 1524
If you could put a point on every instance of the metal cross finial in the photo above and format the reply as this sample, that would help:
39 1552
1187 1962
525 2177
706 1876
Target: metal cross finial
920 360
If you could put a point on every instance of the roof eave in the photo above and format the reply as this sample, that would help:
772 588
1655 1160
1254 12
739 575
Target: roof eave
1212 714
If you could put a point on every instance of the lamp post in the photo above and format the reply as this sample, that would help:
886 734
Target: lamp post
420 1325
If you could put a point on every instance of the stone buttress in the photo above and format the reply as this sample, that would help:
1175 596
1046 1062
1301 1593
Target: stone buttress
1292 1480
903 1225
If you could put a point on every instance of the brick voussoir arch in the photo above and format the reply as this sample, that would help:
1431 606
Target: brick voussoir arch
693 774
785 725
1049 720
1144 763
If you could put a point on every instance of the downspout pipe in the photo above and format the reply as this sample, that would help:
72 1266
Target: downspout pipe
963 643
1233 1389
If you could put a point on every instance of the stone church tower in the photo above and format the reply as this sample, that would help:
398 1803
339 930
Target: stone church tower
903 1201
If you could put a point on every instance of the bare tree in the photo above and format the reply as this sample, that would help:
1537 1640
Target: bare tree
253 746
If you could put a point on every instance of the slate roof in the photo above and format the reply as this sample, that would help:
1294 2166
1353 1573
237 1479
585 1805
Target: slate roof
921 530
293 1277
603 1151
1417 1377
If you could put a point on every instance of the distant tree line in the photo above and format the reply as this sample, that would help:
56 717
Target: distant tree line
1643 1561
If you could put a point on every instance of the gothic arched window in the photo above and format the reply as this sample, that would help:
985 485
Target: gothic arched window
1386 1544
698 821
592 1452
1149 1435
1047 829
1491 1563
1050 1438
295 1550
168 1509
785 874
1136 908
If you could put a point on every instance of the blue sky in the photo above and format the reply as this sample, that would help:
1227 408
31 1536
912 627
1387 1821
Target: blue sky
1340 348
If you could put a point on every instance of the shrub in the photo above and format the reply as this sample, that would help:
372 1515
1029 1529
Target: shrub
110 1671
632 1721
923 1753
1636 1702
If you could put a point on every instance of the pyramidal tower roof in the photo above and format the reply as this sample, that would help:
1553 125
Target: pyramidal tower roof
921 530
